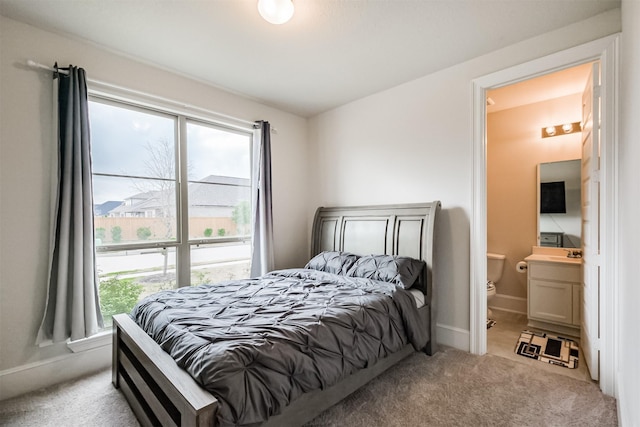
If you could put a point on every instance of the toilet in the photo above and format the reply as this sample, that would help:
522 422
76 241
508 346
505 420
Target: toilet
495 265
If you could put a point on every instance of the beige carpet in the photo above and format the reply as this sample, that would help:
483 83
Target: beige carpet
452 388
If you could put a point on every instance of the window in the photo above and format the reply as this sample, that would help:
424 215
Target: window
172 201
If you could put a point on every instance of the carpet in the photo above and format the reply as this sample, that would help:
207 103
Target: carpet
548 348
449 389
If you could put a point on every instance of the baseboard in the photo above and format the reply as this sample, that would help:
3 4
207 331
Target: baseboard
620 406
451 336
509 303
628 411
34 376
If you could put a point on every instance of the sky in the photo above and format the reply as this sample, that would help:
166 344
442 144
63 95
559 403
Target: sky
137 143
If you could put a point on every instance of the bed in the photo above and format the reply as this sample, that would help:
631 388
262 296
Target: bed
163 390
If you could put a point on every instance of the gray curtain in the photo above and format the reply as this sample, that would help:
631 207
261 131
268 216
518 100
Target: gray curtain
262 216
72 308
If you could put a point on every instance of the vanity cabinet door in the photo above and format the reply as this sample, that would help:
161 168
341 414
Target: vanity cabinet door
551 301
577 302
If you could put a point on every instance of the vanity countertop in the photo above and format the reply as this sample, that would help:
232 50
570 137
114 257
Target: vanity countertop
553 258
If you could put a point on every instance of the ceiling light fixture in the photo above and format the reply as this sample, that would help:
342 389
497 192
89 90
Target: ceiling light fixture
276 11
563 129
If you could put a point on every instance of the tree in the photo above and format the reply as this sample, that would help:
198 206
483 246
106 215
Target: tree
143 233
241 216
116 234
160 164
101 233
118 296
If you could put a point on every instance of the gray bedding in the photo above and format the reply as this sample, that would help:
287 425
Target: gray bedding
257 344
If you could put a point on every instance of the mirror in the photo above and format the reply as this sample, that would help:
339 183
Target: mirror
559 212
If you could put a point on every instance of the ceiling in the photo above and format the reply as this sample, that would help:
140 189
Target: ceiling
331 52
555 85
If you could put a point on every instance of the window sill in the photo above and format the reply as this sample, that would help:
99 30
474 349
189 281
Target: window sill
99 340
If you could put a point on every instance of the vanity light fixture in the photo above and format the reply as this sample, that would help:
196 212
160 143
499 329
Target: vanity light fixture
563 129
276 11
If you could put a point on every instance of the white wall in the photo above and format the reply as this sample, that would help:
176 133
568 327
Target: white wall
629 212
413 143
26 148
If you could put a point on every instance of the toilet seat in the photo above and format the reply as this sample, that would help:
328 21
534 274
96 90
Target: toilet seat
491 288
491 291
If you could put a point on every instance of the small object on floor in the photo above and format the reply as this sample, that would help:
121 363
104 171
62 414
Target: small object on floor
490 323
548 348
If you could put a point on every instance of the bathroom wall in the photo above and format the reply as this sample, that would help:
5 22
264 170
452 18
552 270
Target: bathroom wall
514 149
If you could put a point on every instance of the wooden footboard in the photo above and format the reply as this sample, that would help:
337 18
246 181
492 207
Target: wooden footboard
162 394
158 391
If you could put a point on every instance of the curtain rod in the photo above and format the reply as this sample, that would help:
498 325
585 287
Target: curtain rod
34 64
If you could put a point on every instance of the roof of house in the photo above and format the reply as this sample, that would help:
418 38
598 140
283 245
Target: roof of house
210 191
106 207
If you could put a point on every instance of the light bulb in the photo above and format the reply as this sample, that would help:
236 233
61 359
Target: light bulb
276 11
550 130
567 127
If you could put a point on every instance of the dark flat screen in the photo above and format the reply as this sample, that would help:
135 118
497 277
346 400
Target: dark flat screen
552 197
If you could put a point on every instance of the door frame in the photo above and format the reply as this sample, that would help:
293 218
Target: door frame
604 50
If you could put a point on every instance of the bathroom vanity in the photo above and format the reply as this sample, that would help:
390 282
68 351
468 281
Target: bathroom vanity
554 293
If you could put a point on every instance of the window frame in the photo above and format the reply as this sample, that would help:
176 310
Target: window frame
182 116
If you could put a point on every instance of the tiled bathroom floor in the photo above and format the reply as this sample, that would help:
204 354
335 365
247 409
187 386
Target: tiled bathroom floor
502 338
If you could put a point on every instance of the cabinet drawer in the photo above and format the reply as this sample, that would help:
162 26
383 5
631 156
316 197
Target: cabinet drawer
549 238
554 271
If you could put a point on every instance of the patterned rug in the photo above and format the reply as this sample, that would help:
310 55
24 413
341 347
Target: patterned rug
548 348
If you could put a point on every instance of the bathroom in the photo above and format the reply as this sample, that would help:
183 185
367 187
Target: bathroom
517 157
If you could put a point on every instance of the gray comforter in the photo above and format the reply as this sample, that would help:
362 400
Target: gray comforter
257 344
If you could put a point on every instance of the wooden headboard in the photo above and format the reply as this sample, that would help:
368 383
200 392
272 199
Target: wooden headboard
406 229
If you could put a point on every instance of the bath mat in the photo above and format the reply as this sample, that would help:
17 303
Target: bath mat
548 348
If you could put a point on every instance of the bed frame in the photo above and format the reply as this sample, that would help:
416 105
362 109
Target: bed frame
161 393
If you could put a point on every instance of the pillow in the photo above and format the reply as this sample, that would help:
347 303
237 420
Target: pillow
332 262
401 270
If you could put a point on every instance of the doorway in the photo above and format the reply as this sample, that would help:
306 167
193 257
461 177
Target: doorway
520 158
603 50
